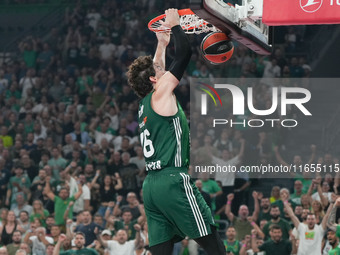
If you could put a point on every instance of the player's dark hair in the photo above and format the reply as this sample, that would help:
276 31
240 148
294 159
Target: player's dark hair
139 75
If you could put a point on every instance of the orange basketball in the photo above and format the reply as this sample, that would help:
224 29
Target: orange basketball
217 48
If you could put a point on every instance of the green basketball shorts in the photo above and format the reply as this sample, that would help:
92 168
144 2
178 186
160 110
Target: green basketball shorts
174 207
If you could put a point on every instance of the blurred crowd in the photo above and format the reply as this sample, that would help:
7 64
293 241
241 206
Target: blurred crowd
70 157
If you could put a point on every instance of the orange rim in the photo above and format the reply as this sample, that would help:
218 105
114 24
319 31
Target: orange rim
155 25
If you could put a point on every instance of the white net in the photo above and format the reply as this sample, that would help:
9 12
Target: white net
191 24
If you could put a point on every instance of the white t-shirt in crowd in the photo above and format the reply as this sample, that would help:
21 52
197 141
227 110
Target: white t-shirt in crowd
227 178
251 252
115 248
310 240
39 248
327 195
107 50
79 204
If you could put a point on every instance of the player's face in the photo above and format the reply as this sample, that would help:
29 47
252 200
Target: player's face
331 237
79 241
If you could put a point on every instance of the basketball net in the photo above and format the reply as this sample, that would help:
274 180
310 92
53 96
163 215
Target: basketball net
189 21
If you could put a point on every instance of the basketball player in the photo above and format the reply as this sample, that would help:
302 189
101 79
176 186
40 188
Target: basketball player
174 207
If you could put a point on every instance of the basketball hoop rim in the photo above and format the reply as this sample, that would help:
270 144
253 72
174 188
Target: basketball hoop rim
182 12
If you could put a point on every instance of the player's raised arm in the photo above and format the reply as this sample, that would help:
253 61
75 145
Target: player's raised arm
170 79
163 41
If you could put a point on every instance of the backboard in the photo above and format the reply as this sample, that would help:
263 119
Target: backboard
240 22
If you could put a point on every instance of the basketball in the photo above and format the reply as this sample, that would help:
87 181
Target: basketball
217 48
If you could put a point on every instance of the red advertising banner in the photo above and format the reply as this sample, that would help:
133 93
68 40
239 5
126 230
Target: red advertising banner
299 12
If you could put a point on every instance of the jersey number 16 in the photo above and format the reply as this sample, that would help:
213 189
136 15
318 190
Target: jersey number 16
148 148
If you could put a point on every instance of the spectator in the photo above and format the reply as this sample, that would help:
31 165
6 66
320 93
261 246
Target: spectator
79 246
83 202
296 196
107 49
205 195
332 242
21 205
232 245
241 224
128 173
275 194
27 82
322 195
17 183
23 221
108 191
121 245
61 202
211 187
3 251
38 185
276 244
55 233
133 205
80 136
28 166
264 213
57 163
87 228
15 244
38 240
39 212
138 160
45 58
310 235
20 252
7 140
228 178
279 202
276 219
25 247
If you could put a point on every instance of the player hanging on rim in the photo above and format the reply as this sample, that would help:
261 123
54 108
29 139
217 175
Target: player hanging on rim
173 205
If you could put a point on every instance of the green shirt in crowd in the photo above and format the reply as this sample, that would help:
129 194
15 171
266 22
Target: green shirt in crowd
234 247
60 208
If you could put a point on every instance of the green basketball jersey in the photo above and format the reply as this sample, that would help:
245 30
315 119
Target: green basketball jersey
165 139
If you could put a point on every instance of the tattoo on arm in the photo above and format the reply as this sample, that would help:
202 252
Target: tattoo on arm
331 218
